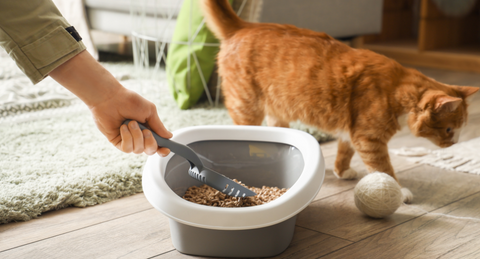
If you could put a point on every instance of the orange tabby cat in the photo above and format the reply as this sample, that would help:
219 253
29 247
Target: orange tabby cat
288 74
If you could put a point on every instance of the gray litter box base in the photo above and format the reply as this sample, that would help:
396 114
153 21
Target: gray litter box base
260 242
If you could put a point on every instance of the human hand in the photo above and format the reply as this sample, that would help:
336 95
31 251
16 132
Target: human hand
126 104
111 104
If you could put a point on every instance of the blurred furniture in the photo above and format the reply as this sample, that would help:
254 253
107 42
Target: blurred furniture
111 16
418 32
152 21
338 18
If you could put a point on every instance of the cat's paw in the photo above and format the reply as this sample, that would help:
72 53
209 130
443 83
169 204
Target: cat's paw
407 195
347 174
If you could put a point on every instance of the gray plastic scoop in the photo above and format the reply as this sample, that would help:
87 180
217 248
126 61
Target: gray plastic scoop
198 171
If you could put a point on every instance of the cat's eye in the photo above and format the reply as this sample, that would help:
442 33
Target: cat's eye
449 129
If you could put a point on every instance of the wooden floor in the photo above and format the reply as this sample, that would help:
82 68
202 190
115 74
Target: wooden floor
442 222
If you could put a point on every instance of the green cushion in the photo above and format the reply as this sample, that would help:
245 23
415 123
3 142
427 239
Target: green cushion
185 90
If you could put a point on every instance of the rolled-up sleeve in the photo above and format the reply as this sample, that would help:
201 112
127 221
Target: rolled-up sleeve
33 32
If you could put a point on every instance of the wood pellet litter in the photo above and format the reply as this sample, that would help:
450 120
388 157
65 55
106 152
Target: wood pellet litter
206 195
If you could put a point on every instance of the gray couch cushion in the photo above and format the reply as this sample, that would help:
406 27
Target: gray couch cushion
114 16
150 7
121 23
338 18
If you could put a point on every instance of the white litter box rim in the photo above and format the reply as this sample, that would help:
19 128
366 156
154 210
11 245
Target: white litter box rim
299 196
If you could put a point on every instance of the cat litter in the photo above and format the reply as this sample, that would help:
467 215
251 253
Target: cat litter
206 195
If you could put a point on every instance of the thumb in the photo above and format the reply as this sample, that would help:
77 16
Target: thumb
156 125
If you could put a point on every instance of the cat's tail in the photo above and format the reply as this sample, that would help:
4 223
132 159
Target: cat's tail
221 18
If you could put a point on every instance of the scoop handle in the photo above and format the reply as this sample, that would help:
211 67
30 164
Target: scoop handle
177 148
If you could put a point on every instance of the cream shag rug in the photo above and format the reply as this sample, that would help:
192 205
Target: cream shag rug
461 157
52 156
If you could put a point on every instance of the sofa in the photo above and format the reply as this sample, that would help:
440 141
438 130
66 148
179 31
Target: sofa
338 18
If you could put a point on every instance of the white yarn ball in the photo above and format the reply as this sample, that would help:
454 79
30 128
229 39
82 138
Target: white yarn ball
378 195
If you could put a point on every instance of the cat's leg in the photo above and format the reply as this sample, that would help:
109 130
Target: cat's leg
273 121
374 154
345 153
242 116
243 104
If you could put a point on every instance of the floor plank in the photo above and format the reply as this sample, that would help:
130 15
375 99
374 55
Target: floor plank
472 130
332 185
305 244
329 148
55 223
456 234
432 188
474 105
310 244
140 235
451 77
338 216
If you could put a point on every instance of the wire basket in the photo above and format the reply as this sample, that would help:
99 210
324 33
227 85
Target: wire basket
153 25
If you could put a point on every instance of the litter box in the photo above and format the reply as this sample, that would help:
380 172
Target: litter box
257 156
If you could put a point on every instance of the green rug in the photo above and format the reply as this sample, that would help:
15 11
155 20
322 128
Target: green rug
54 157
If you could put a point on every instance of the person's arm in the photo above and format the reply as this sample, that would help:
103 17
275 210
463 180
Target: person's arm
111 104
41 42
35 35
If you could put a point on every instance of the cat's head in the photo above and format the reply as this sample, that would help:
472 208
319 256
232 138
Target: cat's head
440 115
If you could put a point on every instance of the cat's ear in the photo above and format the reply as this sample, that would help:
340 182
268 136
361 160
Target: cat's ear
467 91
447 103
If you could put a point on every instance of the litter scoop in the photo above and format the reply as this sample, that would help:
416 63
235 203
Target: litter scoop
200 172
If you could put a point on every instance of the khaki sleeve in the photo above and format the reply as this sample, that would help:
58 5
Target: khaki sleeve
33 32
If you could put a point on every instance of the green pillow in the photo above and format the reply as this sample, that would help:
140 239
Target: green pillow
187 91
